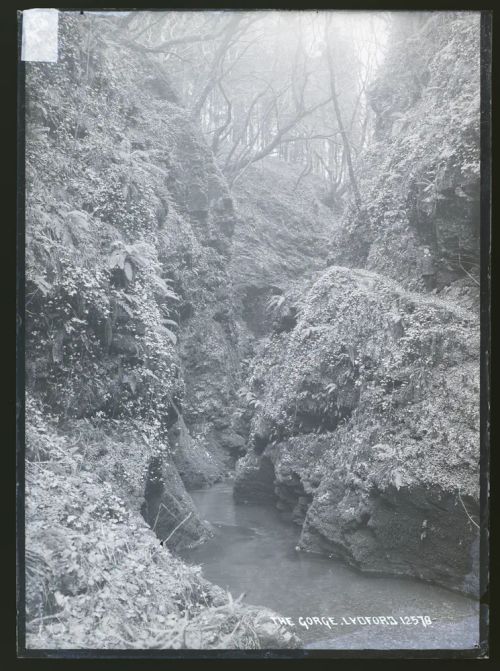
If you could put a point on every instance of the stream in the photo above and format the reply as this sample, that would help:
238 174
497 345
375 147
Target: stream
253 552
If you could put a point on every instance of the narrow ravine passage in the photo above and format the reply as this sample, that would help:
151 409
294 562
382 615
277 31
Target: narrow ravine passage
252 258
253 552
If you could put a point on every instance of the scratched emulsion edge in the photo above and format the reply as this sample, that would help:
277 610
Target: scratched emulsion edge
38 41
20 352
485 365
40 35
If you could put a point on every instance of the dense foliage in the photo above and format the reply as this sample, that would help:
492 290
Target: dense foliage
362 405
383 372
420 178
128 224
186 177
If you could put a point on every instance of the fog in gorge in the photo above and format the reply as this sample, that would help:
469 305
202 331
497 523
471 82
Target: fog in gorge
252 294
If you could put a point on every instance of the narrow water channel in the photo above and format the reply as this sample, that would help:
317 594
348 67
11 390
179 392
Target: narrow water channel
253 552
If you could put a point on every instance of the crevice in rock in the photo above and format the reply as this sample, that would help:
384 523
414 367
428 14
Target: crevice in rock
255 481
292 498
255 311
168 509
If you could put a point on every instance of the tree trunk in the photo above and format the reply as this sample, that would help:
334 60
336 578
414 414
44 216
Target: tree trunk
340 123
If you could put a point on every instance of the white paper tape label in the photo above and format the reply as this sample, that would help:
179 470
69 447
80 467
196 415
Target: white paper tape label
40 38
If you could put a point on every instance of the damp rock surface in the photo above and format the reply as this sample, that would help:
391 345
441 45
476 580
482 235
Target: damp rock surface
369 410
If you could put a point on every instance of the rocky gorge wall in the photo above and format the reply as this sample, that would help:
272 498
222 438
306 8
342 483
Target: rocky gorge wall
128 242
362 414
131 352
173 327
365 428
283 236
419 222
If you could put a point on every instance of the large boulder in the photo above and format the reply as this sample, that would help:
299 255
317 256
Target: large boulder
368 411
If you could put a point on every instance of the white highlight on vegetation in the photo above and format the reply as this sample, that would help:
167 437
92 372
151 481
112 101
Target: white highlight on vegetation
40 35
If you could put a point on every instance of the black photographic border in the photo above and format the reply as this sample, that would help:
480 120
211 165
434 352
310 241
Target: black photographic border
484 651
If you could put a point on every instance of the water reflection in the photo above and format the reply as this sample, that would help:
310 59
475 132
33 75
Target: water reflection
253 552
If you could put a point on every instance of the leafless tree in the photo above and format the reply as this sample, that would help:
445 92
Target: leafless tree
340 121
257 81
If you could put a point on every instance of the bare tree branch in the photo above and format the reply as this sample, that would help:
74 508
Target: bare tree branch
277 139
219 133
338 114
219 55
168 44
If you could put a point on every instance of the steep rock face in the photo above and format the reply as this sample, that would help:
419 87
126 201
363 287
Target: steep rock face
368 413
96 575
282 236
420 180
363 410
198 260
129 226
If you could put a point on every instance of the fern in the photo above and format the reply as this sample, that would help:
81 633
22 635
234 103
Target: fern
164 289
117 260
126 307
42 284
170 334
310 330
275 302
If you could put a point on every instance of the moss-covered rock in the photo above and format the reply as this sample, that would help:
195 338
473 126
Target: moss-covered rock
128 225
369 408
420 178
282 235
98 577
